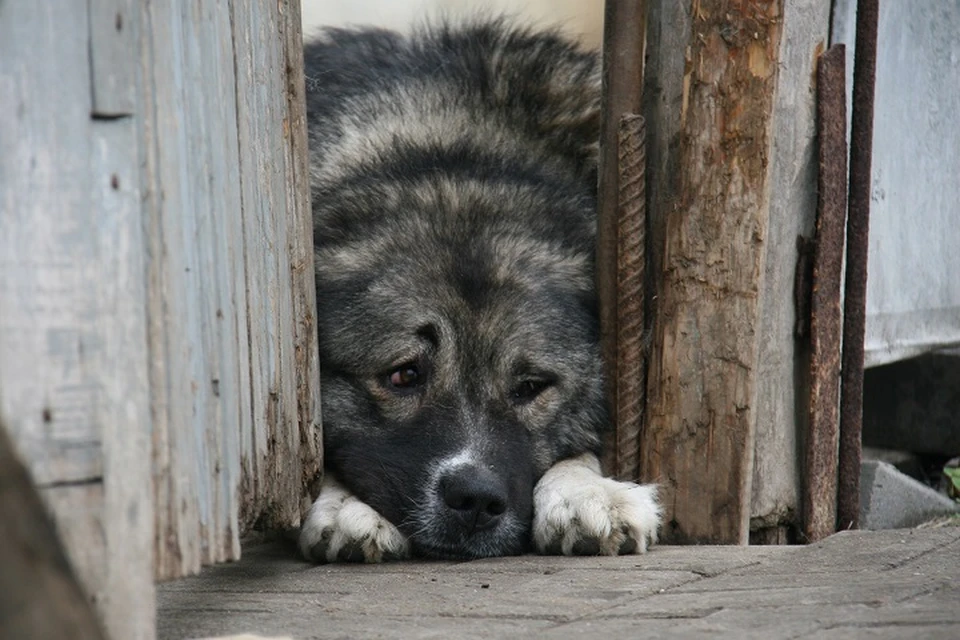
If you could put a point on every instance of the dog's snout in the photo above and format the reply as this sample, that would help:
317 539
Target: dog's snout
475 497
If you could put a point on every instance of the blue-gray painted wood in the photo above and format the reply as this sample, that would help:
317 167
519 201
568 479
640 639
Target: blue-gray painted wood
225 362
913 294
155 281
127 596
264 171
113 57
176 468
72 298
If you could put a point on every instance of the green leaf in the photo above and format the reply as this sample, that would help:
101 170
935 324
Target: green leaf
952 474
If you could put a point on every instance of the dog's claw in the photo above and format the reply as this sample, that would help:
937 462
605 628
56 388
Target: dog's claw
341 528
579 512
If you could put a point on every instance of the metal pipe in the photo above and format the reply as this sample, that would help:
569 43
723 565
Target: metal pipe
623 49
855 285
820 460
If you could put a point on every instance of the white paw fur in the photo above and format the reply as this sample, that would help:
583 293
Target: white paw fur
339 527
579 512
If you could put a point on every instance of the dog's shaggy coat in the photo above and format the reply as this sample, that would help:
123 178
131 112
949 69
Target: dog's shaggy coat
454 195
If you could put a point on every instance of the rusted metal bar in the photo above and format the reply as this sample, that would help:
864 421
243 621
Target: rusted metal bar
624 41
855 285
631 377
820 464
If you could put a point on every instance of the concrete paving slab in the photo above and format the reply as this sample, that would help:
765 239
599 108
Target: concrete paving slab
708 560
855 584
890 499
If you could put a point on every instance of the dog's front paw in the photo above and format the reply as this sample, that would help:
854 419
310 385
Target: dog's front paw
579 512
341 528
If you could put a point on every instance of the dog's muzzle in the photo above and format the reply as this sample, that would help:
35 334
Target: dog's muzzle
470 513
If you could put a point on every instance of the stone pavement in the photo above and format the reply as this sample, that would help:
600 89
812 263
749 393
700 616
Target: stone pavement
889 584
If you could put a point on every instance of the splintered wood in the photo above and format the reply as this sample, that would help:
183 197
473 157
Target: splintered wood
698 440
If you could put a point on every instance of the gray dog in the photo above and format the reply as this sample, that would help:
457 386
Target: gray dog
454 194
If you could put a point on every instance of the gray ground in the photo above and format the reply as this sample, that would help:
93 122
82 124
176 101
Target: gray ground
889 584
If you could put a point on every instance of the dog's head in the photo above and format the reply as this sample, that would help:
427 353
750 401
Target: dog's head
459 351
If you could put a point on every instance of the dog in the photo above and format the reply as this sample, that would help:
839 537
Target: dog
453 176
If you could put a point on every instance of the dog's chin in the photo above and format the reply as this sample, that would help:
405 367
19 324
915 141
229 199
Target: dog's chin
474 550
509 539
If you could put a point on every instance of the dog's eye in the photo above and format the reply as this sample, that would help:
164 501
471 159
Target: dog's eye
405 378
528 390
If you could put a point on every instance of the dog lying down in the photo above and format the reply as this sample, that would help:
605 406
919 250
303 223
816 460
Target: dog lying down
454 191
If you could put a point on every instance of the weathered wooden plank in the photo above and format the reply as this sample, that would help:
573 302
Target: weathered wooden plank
712 223
175 459
72 349
300 225
781 396
255 238
47 249
195 232
50 345
197 285
232 386
40 597
214 202
113 63
126 600
270 455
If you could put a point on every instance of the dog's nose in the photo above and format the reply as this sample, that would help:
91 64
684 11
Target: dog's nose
475 496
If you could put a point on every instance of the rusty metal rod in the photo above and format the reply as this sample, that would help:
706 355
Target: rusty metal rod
855 286
820 460
631 258
623 48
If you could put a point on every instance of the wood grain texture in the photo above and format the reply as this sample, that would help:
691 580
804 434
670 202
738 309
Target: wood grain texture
178 546
270 453
712 224
236 396
126 600
48 251
50 346
72 348
157 341
780 415
300 224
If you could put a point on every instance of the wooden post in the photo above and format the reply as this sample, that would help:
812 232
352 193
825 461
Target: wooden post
156 282
234 364
712 224
73 359
300 221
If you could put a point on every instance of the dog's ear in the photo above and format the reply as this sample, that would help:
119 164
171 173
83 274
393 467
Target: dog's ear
556 86
542 80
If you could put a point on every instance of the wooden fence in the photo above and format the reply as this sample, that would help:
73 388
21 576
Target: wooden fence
158 362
